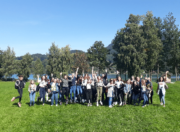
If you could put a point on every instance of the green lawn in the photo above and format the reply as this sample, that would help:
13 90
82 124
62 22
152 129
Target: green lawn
77 117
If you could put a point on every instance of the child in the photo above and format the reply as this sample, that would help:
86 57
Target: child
161 91
89 92
19 85
32 92
110 87
54 90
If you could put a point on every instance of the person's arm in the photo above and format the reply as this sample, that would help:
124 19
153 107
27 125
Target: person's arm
92 72
105 76
77 72
38 79
29 89
117 72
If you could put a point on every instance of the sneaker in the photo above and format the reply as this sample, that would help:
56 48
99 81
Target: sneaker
66 102
90 104
13 99
161 103
110 106
19 104
82 100
97 104
56 105
51 105
120 104
29 105
41 99
101 102
49 100
70 101
143 106
43 103
115 103
60 103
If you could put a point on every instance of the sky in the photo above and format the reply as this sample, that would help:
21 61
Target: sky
33 25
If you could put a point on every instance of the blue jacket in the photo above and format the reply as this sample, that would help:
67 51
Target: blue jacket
127 88
56 85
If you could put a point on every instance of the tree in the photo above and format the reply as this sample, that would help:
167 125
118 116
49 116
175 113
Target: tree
80 60
24 66
1 54
96 55
171 43
8 63
37 67
59 60
130 45
154 44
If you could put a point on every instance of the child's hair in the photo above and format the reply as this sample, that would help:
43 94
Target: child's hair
20 75
31 82
99 79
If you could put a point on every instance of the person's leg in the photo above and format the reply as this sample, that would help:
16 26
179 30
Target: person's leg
125 98
151 98
34 95
44 94
71 89
163 99
87 95
56 98
74 92
30 96
52 98
100 94
98 91
90 95
110 101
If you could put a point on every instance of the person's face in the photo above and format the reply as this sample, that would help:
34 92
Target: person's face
72 74
102 75
138 78
161 79
132 77
20 78
43 77
119 78
32 82
65 76
128 81
99 77
55 80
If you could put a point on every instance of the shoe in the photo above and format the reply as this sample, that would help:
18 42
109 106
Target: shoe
19 104
13 99
49 100
120 104
101 102
51 105
115 103
97 104
41 99
110 106
90 104
60 103
33 105
43 103
67 102
82 100
75 102
56 105
161 103
143 106
70 101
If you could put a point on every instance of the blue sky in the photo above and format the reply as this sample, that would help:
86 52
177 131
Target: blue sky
32 25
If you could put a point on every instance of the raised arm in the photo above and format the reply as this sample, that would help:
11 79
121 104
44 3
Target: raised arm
77 72
38 79
92 72
105 75
117 72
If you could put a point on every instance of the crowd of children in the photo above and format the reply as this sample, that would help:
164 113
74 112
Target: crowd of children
90 89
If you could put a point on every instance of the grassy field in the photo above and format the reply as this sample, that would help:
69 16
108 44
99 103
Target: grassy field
77 117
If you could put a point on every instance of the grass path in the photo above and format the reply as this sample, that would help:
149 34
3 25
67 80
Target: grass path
77 117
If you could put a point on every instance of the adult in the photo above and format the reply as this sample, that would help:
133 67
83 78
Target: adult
19 85
105 82
32 92
110 95
54 90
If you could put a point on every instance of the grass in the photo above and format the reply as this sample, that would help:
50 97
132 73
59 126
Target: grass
77 117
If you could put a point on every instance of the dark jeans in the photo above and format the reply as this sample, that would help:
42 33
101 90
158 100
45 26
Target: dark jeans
151 98
20 91
115 98
89 95
65 91
43 93
120 95
84 92
94 91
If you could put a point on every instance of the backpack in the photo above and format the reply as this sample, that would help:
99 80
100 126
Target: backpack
37 88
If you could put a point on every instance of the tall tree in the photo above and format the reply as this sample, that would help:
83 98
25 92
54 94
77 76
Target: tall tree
1 54
171 43
8 63
130 44
37 67
154 44
80 60
96 55
24 66
59 60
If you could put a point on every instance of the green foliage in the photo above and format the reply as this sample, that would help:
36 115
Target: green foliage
59 60
37 67
8 63
78 117
24 66
1 73
130 45
154 44
96 55
171 42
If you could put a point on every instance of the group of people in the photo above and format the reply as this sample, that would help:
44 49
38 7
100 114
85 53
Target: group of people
90 89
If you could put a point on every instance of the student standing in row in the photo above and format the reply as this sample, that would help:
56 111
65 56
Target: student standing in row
73 87
127 91
42 85
32 92
161 91
100 85
19 85
110 95
54 90
65 87
89 92
143 91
